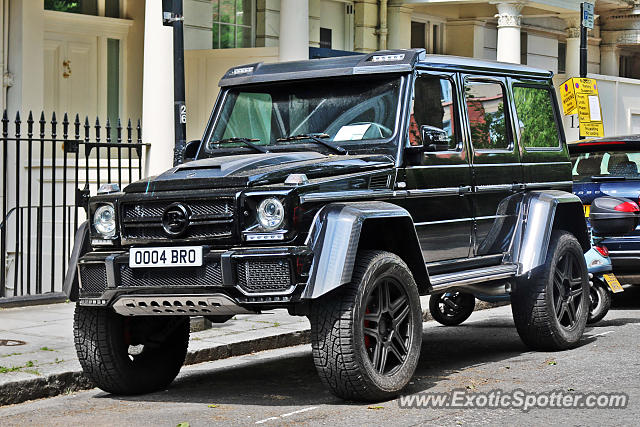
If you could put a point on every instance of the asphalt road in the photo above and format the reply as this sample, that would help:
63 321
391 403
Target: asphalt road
281 387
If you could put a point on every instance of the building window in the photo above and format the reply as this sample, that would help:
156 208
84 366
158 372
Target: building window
562 58
232 23
85 7
523 47
325 38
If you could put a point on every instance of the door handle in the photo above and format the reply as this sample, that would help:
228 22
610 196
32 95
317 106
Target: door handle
516 187
464 190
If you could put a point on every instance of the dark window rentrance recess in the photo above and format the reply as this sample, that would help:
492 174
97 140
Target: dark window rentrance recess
418 39
113 80
562 58
84 7
523 48
325 38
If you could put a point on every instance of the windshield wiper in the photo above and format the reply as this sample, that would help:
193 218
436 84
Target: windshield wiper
316 137
249 142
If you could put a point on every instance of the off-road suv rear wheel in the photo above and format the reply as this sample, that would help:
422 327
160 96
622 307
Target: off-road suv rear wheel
130 355
550 309
366 335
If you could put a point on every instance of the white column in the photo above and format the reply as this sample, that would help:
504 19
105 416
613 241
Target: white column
157 90
610 60
294 30
399 24
573 51
509 31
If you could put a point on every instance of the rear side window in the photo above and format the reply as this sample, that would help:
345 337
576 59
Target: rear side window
487 117
536 118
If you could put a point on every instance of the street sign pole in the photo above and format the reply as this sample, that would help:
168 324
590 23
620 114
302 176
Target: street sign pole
587 17
172 15
583 43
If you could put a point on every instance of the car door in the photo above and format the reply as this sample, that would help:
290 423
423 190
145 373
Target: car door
497 170
438 181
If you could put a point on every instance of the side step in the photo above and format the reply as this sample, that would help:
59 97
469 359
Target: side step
462 278
177 305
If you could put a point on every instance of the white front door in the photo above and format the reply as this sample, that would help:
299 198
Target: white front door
71 75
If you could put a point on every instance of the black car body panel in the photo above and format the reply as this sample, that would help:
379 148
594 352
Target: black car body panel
464 213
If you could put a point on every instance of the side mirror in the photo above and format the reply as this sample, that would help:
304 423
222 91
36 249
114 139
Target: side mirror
613 216
190 150
434 139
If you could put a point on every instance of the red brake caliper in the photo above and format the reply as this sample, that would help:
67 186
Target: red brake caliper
367 339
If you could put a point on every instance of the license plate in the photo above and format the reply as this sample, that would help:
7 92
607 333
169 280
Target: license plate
587 210
613 283
174 256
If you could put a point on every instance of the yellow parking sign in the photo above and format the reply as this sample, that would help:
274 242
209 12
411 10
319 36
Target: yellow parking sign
580 95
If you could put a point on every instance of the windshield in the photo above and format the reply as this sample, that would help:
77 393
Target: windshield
614 164
337 110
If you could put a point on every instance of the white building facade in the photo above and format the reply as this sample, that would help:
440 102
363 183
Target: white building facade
113 58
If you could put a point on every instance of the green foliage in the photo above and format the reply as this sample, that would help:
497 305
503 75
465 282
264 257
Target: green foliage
62 5
536 116
46 349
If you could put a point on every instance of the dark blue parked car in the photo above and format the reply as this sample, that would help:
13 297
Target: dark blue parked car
611 167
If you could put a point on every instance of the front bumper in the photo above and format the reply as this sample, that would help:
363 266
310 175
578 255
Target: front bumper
251 277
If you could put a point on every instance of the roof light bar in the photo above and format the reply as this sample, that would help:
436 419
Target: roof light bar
387 58
243 70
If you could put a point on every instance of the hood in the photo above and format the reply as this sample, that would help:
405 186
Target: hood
248 170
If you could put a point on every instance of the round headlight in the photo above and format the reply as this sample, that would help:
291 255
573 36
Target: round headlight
270 214
104 221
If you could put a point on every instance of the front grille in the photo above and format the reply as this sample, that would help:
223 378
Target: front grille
175 277
208 219
93 279
264 276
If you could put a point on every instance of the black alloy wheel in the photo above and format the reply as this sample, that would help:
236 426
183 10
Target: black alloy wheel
451 308
567 290
387 329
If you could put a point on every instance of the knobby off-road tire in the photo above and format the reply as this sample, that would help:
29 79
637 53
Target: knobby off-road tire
451 308
550 309
366 335
600 301
129 355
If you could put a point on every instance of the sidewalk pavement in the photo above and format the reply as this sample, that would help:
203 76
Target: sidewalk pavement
38 357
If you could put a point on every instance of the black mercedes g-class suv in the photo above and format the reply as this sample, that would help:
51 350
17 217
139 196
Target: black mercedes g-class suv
341 189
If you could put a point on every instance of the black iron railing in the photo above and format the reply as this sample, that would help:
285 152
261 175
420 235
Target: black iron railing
47 173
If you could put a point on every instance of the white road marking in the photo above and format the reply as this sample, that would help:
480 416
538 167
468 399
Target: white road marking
288 414
601 334
299 411
266 419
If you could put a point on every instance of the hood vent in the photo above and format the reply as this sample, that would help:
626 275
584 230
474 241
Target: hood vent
379 181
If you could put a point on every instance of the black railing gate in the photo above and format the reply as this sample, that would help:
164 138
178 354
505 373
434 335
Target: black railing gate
47 173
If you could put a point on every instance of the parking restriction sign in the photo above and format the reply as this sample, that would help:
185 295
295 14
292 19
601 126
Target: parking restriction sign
580 96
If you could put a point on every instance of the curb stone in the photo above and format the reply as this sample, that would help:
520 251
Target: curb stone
66 382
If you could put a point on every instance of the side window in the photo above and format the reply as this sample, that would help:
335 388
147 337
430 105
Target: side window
487 119
536 118
433 107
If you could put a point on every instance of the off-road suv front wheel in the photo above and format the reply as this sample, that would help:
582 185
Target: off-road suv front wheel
366 335
550 309
129 355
